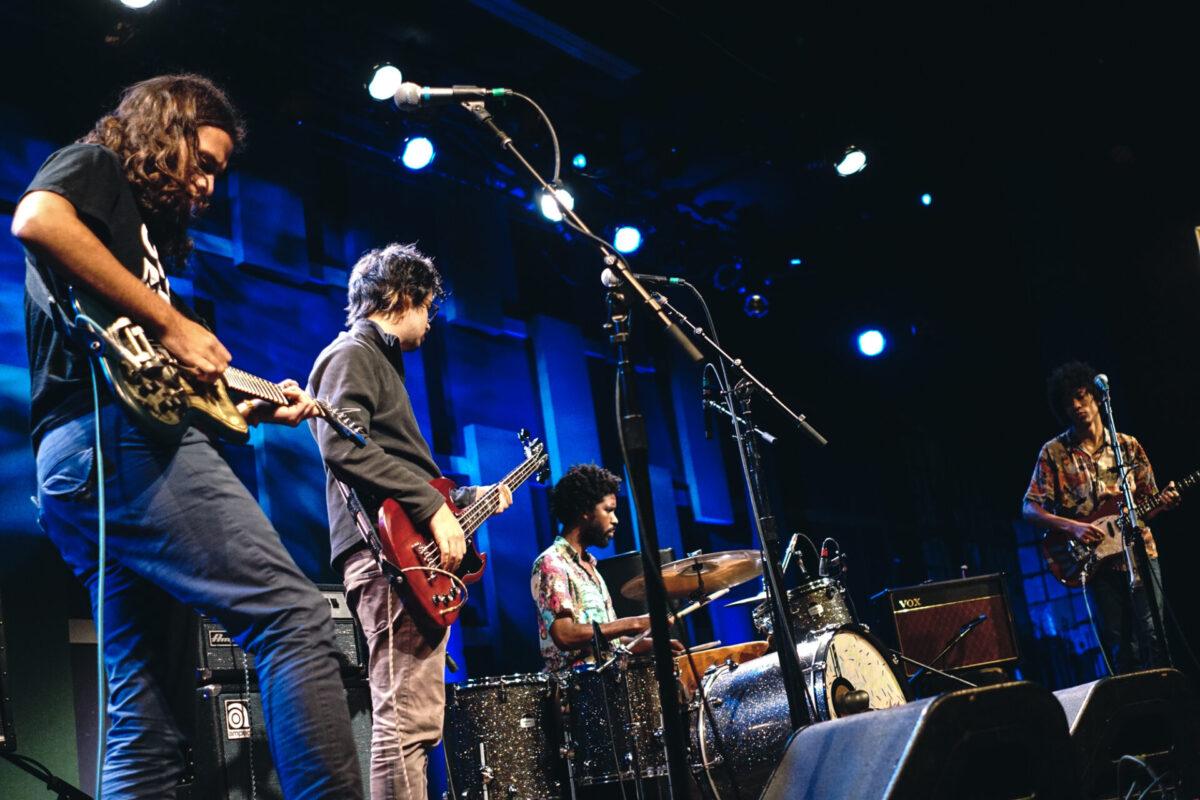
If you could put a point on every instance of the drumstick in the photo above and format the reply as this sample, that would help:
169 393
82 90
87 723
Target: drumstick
683 612
706 646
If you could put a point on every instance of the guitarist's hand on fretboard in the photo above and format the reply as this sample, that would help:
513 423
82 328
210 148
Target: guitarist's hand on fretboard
300 407
1170 498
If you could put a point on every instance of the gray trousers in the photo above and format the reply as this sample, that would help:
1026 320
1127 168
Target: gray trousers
407 677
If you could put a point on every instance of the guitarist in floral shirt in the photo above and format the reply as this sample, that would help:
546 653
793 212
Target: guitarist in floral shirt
1075 473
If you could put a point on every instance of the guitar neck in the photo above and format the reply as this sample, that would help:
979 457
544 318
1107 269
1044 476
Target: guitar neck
254 386
1154 501
483 507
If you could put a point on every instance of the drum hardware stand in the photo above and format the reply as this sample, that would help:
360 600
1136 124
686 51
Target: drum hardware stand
800 705
1137 560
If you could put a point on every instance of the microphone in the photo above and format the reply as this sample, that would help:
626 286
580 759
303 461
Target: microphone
968 627
823 562
1101 382
612 280
410 95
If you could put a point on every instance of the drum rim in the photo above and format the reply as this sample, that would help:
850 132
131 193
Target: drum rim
503 681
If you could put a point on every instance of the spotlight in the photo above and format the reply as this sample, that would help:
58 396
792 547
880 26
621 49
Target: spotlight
852 162
579 161
756 306
137 3
550 209
871 343
418 153
627 239
384 82
927 199
795 262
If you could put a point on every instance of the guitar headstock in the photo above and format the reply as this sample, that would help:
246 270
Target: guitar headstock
341 422
535 451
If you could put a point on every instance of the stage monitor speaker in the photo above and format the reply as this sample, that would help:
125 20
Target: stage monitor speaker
229 758
616 570
8 740
993 743
1151 715
928 616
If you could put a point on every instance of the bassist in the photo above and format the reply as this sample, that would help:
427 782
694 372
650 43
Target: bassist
392 300
1075 473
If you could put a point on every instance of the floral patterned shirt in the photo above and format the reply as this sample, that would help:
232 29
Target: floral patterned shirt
1069 481
566 584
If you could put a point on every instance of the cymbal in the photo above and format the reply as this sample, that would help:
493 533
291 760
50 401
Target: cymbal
758 598
709 572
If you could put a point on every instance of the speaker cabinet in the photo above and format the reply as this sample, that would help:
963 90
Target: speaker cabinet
927 617
229 757
993 743
1151 715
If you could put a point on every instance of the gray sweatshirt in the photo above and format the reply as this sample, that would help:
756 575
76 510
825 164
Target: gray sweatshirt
362 373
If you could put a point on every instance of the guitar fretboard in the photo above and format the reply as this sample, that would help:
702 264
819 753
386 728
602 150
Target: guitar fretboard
255 386
1154 501
485 506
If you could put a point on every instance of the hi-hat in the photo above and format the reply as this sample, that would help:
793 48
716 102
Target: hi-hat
702 574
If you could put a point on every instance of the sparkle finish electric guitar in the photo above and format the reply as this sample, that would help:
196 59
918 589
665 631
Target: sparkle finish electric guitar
1068 558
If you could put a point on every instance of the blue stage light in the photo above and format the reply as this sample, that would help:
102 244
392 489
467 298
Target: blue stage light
550 209
384 82
579 161
852 161
795 262
871 343
418 153
927 199
627 239
756 306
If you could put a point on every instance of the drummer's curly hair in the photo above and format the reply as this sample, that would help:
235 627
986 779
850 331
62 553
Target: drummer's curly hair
1063 382
579 490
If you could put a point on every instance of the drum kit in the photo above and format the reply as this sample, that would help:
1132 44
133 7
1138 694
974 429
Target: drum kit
547 736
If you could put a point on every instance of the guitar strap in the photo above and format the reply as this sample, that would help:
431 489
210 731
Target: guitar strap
45 300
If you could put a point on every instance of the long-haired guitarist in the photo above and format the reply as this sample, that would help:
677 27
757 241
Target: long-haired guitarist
1075 474
393 293
101 215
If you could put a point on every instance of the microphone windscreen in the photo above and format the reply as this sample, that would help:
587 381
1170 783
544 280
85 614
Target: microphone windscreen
609 278
407 96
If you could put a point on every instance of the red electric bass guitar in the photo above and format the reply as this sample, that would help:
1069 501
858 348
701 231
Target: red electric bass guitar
433 594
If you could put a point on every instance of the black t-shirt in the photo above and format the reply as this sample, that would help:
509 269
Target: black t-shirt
91 178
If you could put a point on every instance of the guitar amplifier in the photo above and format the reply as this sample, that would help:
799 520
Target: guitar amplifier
219 660
927 617
229 757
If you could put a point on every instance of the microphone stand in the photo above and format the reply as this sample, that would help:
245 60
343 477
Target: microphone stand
800 705
1137 560
636 447
955 639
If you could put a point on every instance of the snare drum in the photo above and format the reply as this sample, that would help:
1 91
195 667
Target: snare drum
501 738
629 725
813 607
750 709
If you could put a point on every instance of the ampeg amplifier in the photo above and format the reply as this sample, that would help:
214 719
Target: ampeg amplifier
927 618
219 660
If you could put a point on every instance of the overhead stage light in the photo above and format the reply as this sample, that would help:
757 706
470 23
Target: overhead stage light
871 343
927 199
384 82
853 161
579 161
137 3
550 209
418 153
627 239
756 306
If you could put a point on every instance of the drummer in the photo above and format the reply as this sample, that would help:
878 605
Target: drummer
569 592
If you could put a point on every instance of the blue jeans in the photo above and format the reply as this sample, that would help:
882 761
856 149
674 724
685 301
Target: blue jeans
1126 628
180 524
